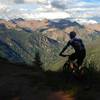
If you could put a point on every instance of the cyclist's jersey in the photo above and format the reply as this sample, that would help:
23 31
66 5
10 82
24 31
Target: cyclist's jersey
77 44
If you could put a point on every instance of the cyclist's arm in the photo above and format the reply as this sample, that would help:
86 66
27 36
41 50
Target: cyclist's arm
66 46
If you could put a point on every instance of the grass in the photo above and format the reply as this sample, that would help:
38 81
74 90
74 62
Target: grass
79 89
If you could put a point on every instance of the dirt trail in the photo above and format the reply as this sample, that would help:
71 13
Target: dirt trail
60 96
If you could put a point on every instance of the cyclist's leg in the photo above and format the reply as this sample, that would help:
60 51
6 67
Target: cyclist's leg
79 63
72 58
83 71
80 59
65 65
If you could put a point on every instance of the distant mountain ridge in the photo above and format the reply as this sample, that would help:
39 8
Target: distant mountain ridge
37 24
20 39
62 23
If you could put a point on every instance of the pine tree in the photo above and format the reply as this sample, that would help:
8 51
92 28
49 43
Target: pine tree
37 62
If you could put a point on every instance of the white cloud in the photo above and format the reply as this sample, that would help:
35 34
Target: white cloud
41 15
35 1
7 1
75 9
86 21
52 15
2 6
22 1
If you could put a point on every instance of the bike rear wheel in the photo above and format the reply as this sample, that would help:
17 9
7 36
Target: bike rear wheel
84 72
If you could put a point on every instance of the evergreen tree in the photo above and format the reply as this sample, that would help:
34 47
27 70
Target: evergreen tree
37 62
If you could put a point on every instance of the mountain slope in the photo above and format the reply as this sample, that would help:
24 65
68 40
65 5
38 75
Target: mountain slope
7 52
47 37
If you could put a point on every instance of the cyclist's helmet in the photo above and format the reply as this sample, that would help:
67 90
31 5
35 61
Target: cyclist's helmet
72 34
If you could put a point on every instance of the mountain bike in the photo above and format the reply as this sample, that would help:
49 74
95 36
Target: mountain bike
70 68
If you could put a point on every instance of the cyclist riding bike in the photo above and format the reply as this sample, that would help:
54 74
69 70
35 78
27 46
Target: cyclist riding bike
80 51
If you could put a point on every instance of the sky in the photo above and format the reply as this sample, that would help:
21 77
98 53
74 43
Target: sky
83 11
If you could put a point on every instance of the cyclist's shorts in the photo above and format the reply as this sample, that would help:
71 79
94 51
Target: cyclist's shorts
79 56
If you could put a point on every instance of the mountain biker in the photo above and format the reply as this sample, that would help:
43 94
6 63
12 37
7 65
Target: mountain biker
80 51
